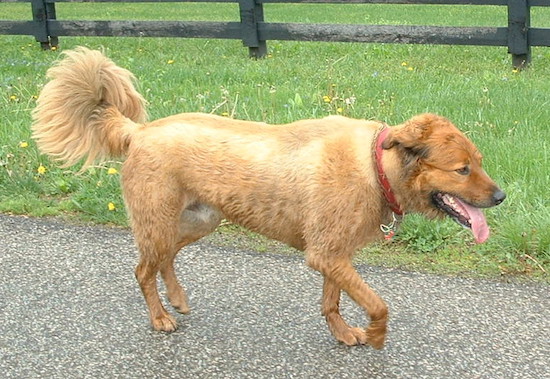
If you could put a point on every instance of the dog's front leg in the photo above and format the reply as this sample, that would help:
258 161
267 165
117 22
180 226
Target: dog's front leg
339 274
330 308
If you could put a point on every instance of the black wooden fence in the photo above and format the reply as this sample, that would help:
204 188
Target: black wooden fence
518 35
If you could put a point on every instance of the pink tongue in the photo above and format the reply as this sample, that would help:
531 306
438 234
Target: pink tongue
480 230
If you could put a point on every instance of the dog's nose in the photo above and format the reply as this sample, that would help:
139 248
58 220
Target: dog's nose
498 197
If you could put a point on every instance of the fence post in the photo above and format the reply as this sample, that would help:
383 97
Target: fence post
519 22
251 14
40 27
51 15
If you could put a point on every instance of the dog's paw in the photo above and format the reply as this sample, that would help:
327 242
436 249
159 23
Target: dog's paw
166 323
179 303
181 308
376 334
353 336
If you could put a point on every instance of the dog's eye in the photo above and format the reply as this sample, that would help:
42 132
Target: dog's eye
464 170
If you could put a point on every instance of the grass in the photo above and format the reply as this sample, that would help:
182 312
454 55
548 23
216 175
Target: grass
505 112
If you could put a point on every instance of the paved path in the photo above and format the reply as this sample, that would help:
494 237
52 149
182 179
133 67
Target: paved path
70 308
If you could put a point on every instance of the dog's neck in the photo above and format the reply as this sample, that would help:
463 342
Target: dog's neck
389 195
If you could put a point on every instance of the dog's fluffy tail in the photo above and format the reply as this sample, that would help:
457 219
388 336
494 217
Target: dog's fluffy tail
88 109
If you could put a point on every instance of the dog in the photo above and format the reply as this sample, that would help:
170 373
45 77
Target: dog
324 186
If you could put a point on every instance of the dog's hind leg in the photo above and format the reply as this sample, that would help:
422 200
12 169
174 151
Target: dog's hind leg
196 221
174 290
340 274
154 212
153 251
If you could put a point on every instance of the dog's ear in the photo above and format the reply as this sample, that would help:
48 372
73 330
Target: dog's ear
413 134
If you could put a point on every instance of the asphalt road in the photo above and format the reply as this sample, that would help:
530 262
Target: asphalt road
70 308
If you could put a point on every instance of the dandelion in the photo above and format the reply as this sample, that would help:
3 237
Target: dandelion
111 206
410 68
23 144
41 170
327 99
339 110
112 171
404 64
54 48
225 114
515 70
13 98
170 61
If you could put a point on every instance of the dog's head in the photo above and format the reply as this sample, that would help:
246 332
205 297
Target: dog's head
442 170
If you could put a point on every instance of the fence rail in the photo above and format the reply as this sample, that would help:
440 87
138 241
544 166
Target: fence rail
517 35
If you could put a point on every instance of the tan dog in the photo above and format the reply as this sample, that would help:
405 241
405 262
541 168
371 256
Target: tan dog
322 186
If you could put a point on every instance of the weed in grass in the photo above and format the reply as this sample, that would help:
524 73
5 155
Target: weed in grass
429 237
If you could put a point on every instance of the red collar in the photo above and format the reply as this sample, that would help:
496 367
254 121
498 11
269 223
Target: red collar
382 178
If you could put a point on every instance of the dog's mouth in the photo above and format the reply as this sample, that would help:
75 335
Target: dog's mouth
465 214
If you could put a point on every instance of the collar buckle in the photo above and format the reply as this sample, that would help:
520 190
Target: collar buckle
390 229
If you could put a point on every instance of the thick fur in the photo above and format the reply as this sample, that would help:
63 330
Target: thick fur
311 184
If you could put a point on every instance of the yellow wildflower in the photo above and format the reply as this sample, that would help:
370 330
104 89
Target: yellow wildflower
327 99
339 110
23 144
111 206
170 61
41 170
225 114
13 98
112 171
404 64
410 68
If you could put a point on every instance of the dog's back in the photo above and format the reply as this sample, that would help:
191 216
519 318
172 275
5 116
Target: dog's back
254 172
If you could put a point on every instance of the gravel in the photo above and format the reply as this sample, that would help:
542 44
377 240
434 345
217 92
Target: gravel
71 308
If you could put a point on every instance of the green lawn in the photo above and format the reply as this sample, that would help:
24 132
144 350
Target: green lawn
505 112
